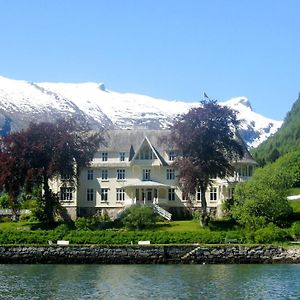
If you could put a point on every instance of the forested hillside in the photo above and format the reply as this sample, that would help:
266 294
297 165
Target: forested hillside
285 140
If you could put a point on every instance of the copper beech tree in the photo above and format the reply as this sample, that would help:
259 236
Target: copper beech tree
44 150
206 140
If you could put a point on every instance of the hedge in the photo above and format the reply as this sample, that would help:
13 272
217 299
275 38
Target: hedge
108 237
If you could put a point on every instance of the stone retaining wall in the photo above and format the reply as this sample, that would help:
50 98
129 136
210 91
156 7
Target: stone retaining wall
148 254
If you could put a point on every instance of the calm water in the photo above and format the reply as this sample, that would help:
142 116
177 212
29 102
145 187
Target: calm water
149 281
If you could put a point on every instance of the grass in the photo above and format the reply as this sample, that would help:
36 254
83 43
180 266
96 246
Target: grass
178 226
295 204
294 191
194 226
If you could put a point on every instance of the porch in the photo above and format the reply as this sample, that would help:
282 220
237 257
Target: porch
146 192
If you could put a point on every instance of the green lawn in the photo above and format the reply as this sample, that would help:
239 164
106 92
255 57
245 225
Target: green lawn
178 226
295 204
294 191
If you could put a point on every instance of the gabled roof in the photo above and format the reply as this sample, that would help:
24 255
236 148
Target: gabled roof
147 142
123 140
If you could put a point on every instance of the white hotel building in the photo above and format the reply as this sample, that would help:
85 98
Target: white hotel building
135 166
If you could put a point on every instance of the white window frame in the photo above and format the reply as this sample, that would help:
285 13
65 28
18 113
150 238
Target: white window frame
120 194
171 194
121 174
90 174
66 194
146 174
104 174
172 155
170 174
104 194
198 195
90 195
213 194
104 156
122 156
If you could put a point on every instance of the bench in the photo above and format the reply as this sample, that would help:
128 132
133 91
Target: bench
143 242
62 243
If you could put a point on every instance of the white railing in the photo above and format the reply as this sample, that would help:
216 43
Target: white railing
162 212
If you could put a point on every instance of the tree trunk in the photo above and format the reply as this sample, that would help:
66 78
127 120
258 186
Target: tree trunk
13 204
204 218
48 209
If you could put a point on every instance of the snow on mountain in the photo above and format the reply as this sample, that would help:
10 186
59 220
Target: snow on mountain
254 127
23 102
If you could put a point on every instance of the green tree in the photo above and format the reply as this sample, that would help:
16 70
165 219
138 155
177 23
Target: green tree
263 199
206 138
44 151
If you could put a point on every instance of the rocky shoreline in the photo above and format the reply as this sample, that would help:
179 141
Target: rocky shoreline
192 254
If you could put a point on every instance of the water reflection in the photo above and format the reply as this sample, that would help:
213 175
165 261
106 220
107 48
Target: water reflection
149 282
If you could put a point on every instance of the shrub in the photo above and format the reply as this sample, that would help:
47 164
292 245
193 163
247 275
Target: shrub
270 234
295 230
139 217
25 217
4 201
84 223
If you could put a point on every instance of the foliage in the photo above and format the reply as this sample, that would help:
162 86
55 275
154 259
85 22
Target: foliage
4 201
270 234
295 205
43 151
84 223
139 217
286 139
101 221
206 139
295 230
262 199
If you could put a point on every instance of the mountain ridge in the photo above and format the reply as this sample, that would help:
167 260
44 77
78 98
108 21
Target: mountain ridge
23 102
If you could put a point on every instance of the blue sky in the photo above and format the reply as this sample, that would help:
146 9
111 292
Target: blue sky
168 49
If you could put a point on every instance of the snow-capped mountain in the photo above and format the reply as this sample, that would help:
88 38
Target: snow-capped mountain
22 102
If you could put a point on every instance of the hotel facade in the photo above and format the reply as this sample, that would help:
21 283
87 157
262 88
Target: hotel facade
135 167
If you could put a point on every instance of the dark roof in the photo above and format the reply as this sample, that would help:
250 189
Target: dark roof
123 140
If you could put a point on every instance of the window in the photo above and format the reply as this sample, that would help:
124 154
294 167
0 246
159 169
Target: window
90 174
90 194
185 197
171 155
104 156
120 174
146 153
213 194
120 195
66 193
104 174
198 194
171 194
65 177
170 174
146 174
122 156
250 171
104 194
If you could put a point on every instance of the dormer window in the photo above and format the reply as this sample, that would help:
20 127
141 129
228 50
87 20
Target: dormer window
104 156
146 153
122 156
171 155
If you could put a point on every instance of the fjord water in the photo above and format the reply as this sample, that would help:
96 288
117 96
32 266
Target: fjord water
149 282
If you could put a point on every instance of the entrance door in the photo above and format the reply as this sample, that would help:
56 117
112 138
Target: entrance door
149 195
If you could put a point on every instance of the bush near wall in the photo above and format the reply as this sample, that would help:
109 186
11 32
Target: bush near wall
266 235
